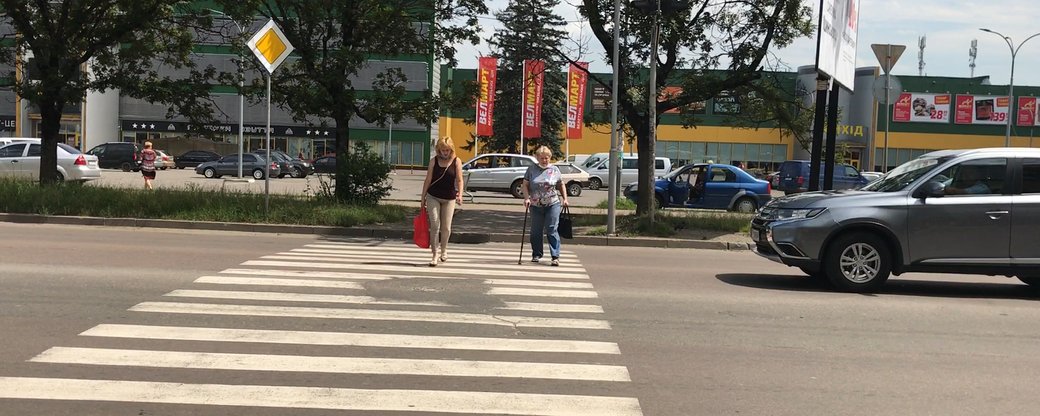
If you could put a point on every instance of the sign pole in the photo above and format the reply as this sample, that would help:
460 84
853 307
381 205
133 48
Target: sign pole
523 92
267 164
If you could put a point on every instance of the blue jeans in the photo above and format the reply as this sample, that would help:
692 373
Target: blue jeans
545 219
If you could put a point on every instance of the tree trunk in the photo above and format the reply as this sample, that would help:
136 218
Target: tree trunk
342 150
50 123
645 202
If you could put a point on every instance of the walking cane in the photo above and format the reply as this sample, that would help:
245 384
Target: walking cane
523 234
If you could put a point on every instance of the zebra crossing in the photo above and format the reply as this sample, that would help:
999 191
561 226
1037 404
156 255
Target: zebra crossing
373 326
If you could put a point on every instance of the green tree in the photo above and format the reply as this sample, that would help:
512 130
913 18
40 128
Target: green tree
531 31
334 41
706 47
124 43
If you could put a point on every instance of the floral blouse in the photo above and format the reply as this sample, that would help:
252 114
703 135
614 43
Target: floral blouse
542 184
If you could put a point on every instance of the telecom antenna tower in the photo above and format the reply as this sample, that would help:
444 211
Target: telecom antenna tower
972 53
920 55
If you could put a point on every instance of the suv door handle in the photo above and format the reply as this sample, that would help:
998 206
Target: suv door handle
995 215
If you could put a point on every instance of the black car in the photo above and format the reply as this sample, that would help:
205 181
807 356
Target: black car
117 155
325 164
289 165
193 158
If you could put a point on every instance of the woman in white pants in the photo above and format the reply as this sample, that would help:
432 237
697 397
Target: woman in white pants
442 190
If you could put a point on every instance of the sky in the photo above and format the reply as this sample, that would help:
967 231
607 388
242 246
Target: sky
949 26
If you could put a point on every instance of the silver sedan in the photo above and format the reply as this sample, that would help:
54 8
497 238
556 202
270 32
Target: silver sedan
22 160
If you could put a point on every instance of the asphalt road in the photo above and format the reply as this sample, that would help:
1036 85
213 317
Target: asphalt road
179 316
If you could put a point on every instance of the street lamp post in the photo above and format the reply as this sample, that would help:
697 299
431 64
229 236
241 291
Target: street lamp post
390 135
1011 80
241 97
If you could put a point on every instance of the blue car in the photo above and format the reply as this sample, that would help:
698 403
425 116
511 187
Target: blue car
794 177
708 185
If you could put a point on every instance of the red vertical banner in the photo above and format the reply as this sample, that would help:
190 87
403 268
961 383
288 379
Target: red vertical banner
534 82
965 109
901 108
1027 111
486 76
577 79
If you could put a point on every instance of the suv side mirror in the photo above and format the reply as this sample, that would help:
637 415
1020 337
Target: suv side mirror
465 167
931 189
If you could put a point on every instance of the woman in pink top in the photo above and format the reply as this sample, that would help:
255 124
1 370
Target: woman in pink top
148 157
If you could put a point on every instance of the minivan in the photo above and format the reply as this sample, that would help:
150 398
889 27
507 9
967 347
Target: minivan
117 155
794 177
599 175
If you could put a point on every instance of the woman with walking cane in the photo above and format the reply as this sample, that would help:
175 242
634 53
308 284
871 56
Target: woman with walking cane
545 197
441 191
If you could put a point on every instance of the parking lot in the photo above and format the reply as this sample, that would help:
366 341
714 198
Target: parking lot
407 185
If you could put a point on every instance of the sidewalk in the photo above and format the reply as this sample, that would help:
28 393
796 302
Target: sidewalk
473 224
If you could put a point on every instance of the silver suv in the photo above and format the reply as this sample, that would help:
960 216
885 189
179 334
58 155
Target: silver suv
952 211
499 172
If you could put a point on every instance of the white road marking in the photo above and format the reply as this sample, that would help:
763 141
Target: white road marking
516 291
364 276
293 297
228 280
368 314
480 249
183 333
552 307
339 365
423 401
367 259
467 255
531 271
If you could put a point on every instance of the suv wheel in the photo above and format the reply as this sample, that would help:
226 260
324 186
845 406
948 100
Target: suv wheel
858 262
745 205
209 173
515 188
126 166
298 173
574 189
595 183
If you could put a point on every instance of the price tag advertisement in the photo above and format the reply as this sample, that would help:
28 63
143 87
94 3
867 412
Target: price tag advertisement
982 109
922 108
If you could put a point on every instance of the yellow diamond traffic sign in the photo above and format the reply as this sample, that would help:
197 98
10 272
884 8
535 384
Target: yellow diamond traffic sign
270 46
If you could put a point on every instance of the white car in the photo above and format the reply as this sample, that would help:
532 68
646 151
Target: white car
22 160
573 177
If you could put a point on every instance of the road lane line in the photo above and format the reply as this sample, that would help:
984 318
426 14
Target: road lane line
415 261
228 280
339 365
267 336
533 271
295 297
422 401
515 291
369 314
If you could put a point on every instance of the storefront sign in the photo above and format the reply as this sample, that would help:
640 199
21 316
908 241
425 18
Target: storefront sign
1027 116
180 127
922 108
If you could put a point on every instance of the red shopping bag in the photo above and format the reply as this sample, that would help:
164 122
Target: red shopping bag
421 231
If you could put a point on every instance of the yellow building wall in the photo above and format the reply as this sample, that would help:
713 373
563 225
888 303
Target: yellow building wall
949 141
596 139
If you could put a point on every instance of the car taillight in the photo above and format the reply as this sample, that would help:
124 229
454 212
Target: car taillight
274 165
81 161
801 180
769 187
135 156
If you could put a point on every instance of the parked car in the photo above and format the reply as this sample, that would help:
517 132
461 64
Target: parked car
325 164
497 172
4 141
117 155
22 159
574 178
193 158
952 211
163 161
871 176
592 160
629 170
228 165
289 165
706 185
794 177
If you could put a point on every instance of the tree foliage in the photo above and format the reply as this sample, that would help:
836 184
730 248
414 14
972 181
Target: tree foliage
334 41
531 31
706 47
131 45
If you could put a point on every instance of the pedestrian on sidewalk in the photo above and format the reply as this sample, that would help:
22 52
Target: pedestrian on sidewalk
441 191
545 196
148 157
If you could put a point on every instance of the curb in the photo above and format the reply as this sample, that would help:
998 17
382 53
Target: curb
461 237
